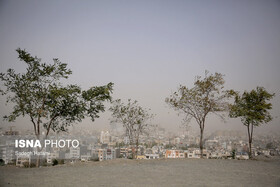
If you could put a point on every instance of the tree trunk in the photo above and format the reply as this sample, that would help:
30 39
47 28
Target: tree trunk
132 151
39 149
250 135
201 142
38 161
131 144
136 151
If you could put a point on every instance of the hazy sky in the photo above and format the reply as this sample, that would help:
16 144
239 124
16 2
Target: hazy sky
148 48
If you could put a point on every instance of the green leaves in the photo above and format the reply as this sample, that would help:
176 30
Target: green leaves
94 98
252 107
39 94
207 96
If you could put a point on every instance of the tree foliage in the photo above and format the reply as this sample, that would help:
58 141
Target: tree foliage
39 94
253 109
134 118
206 97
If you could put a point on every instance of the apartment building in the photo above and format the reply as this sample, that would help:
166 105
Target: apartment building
174 154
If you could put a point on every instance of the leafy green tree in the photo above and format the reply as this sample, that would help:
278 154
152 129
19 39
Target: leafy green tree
39 94
253 109
134 118
206 97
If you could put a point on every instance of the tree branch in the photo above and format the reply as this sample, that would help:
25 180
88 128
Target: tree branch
34 125
49 125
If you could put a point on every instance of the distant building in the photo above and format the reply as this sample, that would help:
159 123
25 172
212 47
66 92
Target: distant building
210 144
219 154
195 153
108 154
242 156
174 154
177 140
126 140
85 158
140 157
147 156
152 156
8 154
74 153
22 159
125 152
52 156
11 133
105 137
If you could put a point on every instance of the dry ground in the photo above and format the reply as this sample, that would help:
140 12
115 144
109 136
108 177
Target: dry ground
163 172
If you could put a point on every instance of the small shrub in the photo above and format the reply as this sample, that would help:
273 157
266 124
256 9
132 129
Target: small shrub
25 164
2 163
61 161
233 154
12 162
45 164
121 156
95 159
54 162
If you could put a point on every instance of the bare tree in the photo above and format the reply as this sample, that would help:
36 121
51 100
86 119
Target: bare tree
206 97
134 119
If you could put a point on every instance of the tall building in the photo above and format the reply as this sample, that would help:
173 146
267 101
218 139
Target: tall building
108 154
105 137
74 153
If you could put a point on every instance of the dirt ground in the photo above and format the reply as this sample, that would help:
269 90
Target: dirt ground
163 172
